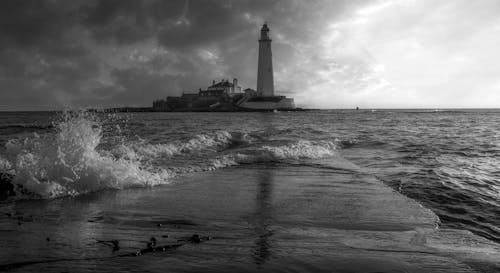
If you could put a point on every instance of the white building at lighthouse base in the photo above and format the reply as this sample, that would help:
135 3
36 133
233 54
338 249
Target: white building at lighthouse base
266 102
282 104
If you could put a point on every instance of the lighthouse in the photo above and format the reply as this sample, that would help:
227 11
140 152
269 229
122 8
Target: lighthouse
264 99
265 80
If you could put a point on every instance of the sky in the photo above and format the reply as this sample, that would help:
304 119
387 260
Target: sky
59 54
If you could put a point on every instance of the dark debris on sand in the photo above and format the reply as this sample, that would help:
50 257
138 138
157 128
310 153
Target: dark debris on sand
114 244
151 247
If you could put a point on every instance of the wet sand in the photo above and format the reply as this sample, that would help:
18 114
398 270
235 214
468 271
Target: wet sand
258 218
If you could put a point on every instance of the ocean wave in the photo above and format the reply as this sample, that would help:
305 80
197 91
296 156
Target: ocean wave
68 163
11 129
219 140
302 149
26 126
72 160
347 143
287 153
264 154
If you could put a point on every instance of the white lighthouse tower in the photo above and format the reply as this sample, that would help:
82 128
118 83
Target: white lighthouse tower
264 99
265 80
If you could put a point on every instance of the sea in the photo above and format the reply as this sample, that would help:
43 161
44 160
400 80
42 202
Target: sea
447 161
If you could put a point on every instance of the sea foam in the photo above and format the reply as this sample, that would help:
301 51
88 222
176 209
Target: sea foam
67 162
302 149
217 141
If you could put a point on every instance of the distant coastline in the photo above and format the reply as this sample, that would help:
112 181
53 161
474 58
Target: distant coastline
151 109
361 110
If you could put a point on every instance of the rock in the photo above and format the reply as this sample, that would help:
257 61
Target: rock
152 243
6 186
6 178
116 245
195 238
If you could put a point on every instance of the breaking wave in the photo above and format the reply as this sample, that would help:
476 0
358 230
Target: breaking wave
70 160
301 149
285 153
218 141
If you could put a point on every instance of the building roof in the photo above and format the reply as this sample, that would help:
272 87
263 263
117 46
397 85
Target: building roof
221 84
211 91
187 95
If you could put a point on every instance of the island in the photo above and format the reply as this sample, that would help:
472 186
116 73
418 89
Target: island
225 95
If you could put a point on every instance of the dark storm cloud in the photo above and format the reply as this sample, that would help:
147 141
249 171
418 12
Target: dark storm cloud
135 82
110 52
32 22
127 21
49 47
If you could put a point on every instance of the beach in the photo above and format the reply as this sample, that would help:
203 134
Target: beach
258 219
279 192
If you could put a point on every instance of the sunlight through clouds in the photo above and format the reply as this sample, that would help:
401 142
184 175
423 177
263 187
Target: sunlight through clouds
328 54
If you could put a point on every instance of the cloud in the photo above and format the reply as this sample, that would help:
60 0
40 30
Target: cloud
433 54
31 23
369 53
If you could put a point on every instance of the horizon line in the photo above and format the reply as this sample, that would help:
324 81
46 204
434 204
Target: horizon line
319 109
